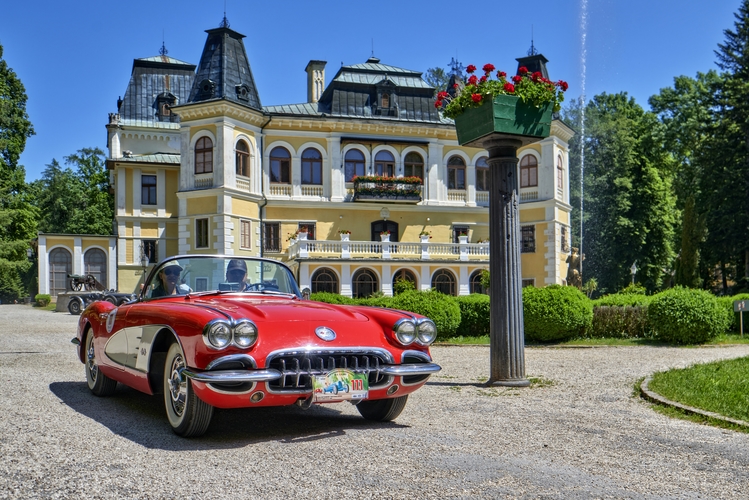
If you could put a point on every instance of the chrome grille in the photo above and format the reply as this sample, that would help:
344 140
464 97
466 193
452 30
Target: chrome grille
297 368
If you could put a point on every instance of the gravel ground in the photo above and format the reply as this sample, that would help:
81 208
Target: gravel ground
582 435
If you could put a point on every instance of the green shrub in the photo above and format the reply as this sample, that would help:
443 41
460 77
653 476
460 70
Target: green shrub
474 315
623 299
727 303
401 285
332 298
615 322
555 313
687 316
42 299
633 289
440 308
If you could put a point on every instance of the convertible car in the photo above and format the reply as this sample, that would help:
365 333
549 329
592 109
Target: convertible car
225 332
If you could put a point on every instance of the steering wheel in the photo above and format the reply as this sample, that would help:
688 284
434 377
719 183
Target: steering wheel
254 287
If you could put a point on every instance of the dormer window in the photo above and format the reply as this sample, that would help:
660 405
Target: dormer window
243 92
385 102
206 88
164 103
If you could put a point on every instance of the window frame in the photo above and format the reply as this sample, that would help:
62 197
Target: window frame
413 165
314 165
384 167
528 238
245 234
202 233
560 173
148 192
439 285
271 235
204 156
456 168
528 166
284 166
356 164
242 159
331 285
482 173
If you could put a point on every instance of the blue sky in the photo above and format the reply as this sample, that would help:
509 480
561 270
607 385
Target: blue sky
75 57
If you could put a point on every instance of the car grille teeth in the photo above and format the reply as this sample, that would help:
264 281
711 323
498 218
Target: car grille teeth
297 369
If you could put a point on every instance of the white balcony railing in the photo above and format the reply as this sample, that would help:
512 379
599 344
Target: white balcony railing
387 250
204 181
280 189
243 184
529 195
312 190
458 195
482 198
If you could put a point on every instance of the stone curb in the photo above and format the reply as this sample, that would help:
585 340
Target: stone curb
657 398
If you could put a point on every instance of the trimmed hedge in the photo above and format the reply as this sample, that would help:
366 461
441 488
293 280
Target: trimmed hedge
615 322
555 313
42 299
687 316
727 303
623 300
474 315
333 298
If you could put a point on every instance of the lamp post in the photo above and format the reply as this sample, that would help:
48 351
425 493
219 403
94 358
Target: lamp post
633 270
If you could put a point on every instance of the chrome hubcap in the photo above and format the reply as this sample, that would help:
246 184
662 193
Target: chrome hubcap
93 370
177 385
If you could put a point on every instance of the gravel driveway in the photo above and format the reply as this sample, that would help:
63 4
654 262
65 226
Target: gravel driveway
582 435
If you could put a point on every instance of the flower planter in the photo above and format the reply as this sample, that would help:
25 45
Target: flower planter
424 238
384 237
301 236
345 236
505 114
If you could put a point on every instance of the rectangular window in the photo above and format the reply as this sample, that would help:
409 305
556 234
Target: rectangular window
456 178
529 176
482 179
245 235
310 226
201 233
149 250
528 239
148 189
201 284
271 237
529 282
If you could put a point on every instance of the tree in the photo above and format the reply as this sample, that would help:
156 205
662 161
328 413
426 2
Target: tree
629 197
17 215
687 264
437 78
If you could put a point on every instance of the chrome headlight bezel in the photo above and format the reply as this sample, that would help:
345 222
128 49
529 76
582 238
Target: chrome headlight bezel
405 331
426 332
218 334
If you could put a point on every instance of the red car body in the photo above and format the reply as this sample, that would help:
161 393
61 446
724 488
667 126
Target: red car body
164 345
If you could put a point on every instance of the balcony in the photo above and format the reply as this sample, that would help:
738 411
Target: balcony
326 249
387 189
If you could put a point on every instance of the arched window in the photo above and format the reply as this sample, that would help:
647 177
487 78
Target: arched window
385 100
311 166
204 156
242 159
560 173
60 265
475 282
324 280
364 283
413 166
482 174
280 166
384 164
528 171
404 275
354 166
379 226
456 173
444 281
95 264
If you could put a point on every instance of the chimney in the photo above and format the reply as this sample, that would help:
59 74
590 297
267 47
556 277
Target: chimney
315 80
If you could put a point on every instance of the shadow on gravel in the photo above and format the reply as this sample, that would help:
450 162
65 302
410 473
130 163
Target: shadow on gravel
462 384
141 418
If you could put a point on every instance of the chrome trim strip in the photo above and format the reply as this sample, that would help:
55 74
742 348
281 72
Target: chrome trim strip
416 354
219 376
415 369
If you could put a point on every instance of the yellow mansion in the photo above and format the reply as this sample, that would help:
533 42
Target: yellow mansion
361 185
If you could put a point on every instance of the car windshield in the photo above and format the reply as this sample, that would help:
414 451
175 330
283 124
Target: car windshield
214 274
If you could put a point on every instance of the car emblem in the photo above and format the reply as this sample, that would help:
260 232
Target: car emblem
325 333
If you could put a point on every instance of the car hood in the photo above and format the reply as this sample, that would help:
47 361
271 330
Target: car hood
279 309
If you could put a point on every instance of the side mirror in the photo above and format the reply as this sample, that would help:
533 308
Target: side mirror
306 293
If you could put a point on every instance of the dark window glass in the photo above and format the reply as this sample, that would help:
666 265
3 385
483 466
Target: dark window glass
528 239
324 280
310 227
204 156
413 166
482 175
149 250
311 167
528 171
530 282
364 283
456 173
384 164
475 282
148 189
271 237
60 265
379 226
243 159
95 264
201 233
560 173
280 166
444 282
354 165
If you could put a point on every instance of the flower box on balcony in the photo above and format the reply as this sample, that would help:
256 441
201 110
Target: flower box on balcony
397 189
504 114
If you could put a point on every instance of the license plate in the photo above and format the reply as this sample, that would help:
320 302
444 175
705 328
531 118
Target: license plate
339 385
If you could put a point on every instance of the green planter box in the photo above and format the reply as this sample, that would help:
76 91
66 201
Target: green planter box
506 114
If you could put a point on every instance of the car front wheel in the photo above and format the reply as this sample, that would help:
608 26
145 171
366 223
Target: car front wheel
382 410
98 383
187 414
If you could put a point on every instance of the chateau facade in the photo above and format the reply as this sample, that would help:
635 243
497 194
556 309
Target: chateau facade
360 186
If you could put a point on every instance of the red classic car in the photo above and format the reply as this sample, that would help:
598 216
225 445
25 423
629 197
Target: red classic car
229 332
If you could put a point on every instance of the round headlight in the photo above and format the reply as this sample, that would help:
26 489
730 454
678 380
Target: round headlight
219 334
245 334
405 331
427 332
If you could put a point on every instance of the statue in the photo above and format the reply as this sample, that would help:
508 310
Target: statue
574 278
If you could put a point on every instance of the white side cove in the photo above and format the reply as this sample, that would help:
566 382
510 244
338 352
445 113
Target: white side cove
583 68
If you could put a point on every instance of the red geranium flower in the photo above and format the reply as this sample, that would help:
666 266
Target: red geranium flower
488 68
473 80
455 85
522 70
509 87
517 78
471 68
476 98
441 95
562 84
438 104
536 75
501 74
483 79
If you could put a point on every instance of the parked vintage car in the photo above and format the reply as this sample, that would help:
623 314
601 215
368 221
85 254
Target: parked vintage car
79 302
228 332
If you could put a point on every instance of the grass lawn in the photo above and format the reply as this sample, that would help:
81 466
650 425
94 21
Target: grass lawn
721 387
725 339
